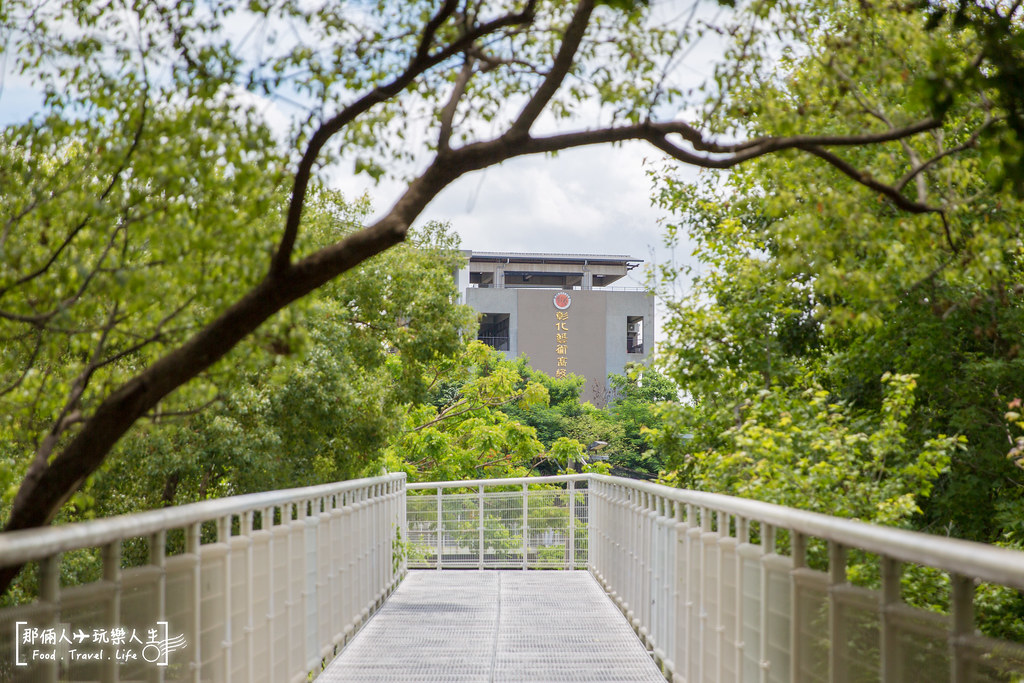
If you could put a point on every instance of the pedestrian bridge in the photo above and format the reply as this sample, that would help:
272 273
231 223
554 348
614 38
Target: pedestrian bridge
341 582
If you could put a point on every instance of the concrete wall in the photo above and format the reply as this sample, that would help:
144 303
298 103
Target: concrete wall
488 300
620 305
594 326
583 327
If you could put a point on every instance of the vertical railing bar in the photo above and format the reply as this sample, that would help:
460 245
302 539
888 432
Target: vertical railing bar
348 580
678 587
49 591
112 575
383 543
245 530
403 515
224 537
440 527
596 531
798 553
667 626
158 559
572 524
691 599
742 538
362 542
526 526
702 592
193 539
647 557
267 525
480 524
375 544
384 529
767 548
289 516
722 532
836 579
961 590
890 669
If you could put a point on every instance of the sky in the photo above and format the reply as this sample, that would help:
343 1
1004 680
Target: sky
593 200
589 201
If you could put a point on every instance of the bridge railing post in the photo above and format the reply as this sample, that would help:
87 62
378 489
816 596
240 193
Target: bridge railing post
440 527
480 526
526 526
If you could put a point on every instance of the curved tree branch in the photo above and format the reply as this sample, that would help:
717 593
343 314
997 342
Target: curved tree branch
87 441
556 75
419 65
444 136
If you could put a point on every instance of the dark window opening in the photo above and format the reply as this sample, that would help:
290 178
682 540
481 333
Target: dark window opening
494 330
634 334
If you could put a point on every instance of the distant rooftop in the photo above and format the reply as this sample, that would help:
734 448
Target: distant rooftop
545 257
511 269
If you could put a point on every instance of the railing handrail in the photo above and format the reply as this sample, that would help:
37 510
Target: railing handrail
967 558
27 545
510 481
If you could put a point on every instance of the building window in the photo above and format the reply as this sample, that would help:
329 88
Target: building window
634 334
494 330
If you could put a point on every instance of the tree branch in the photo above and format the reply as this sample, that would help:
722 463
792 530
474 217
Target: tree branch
448 112
556 75
971 142
420 64
894 195
430 30
28 365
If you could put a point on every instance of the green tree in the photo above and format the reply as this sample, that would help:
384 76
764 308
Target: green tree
620 425
463 434
320 399
134 257
809 287
637 397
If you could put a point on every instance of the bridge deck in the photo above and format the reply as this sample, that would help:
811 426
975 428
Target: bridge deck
511 626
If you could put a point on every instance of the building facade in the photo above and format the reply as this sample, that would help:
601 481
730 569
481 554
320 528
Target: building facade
562 311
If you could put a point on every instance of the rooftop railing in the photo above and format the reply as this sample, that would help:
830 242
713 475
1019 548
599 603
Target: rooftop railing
596 288
269 587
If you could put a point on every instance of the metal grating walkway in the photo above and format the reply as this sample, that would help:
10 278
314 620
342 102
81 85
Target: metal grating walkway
495 626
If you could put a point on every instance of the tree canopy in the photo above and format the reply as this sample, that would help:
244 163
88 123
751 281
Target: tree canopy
831 343
151 221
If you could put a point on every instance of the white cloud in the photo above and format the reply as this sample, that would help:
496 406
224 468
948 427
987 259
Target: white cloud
591 200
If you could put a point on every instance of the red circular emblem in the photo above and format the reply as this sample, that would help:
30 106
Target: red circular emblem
562 301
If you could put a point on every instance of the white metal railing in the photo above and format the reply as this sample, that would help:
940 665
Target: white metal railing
528 523
261 587
713 606
267 587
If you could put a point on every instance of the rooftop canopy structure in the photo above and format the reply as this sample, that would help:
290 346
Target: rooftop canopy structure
558 271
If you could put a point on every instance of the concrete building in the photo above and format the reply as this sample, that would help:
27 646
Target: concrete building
562 311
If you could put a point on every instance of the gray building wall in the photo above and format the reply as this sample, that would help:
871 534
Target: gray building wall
490 300
594 326
582 324
619 306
